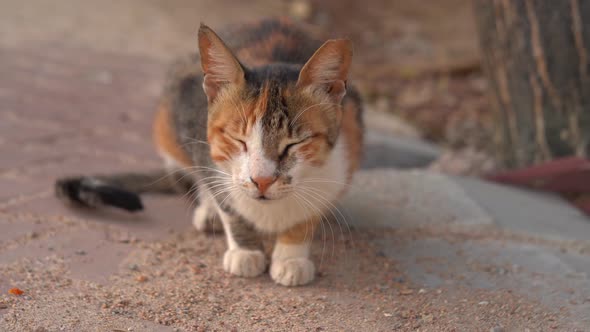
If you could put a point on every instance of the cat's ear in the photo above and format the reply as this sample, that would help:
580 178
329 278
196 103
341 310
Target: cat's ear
220 67
327 69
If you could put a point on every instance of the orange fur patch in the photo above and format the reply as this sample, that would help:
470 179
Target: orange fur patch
165 138
227 121
299 233
315 152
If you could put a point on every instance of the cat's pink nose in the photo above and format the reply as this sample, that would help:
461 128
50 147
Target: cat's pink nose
262 183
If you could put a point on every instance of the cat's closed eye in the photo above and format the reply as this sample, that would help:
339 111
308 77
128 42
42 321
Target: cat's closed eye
243 143
289 147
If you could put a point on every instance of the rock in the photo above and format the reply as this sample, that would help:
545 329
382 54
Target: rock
397 199
383 151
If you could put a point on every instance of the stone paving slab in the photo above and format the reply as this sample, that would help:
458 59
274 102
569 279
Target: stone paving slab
528 212
556 279
392 198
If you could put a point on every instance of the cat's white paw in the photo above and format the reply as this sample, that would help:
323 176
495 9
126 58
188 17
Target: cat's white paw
205 219
244 262
292 271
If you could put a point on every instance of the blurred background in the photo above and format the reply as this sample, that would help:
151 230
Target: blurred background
414 60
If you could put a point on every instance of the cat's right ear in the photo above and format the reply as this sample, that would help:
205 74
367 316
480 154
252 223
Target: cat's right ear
220 67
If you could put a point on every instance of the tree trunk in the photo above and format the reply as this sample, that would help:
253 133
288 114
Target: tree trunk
536 55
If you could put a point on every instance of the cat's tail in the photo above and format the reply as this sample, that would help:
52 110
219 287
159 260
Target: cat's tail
119 190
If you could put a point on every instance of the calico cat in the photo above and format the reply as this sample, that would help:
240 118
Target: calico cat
267 133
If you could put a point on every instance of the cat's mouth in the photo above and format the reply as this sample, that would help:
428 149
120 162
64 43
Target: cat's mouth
265 198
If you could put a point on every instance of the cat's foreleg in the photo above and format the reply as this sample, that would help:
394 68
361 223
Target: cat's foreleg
205 214
244 256
290 264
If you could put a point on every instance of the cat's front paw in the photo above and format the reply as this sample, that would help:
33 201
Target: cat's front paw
244 262
292 271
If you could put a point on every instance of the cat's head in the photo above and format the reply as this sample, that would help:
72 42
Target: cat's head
270 127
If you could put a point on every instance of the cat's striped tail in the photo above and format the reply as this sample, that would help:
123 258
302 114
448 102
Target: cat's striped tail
119 190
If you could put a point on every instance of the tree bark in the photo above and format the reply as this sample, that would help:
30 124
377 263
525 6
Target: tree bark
536 55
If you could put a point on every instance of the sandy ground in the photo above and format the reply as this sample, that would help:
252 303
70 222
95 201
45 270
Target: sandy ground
178 282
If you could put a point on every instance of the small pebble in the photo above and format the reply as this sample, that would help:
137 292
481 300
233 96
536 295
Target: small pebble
141 278
3 305
80 252
16 291
133 267
422 291
483 303
386 314
406 291
497 329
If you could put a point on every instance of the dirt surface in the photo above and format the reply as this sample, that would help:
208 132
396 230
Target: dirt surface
178 282
78 87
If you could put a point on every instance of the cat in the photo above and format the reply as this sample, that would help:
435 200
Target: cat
265 130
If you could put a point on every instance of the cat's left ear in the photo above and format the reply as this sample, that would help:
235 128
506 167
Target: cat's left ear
328 68
220 66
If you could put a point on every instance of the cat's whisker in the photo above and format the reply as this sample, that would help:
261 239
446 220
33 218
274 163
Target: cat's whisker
322 201
320 214
322 180
195 141
309 205
208 185
172 172
320 196
306 215
327 220
205 168
197 185
308 108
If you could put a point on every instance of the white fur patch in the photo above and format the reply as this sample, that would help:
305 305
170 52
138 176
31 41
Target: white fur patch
258 164
292 271
244 262
284 251
291 265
